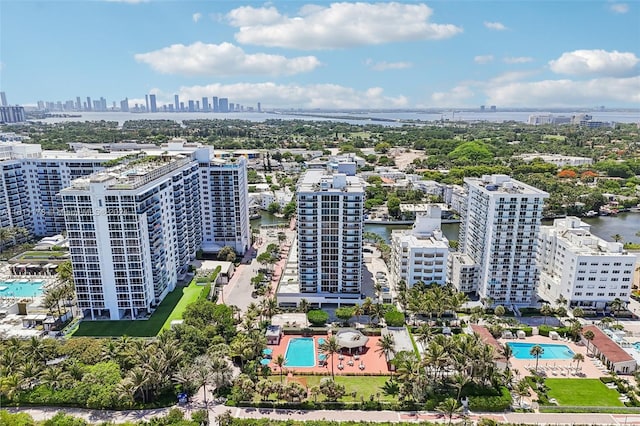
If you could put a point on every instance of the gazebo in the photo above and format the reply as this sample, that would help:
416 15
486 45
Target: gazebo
351 338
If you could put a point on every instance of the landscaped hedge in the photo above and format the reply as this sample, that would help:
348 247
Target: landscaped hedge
496 403
544 330
527 330
317 317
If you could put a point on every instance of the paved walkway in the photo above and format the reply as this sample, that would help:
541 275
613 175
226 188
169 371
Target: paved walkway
95 416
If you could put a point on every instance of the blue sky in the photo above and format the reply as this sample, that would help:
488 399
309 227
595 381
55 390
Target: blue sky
302 54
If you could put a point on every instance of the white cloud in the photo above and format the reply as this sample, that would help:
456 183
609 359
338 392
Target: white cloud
247 16
566 93
223 59
496 26
595 62
337 26
483 59
196 17
384 66
274 95
517 59
619 7
522 89
458 96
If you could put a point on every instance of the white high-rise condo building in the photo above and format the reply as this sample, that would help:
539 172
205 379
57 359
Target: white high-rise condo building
420 254
329 240
225 204
32 178
499 233
132 232
587 271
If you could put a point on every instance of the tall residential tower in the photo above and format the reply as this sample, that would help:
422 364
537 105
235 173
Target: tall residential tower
132 232
499 233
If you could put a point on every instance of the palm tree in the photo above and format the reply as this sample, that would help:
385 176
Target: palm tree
303 306
578 312
561 301
5 235
329 347
616 305
366 307
448 407
617 238
386 346
507 352
589 336
280 361
459 382
578 358
536 351
499 311
358 311
546 310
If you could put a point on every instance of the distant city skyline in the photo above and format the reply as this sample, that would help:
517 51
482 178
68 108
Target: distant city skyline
324 55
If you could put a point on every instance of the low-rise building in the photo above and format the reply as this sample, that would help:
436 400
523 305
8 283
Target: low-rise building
584 269
420 254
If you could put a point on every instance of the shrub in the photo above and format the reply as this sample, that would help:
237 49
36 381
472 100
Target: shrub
317 317
491 403
394 319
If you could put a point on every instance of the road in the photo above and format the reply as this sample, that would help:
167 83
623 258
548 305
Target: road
238 291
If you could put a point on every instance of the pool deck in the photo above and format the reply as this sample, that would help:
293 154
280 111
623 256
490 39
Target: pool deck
555 367
373 362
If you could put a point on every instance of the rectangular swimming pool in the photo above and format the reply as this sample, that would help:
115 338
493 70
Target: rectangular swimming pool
300 352
21 288
550 351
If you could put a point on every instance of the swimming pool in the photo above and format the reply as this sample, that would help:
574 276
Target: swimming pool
300 352
551 351
636 345
21 288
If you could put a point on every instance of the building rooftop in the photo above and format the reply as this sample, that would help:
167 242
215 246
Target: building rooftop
503 184
323 181
577 235
610 349
132 175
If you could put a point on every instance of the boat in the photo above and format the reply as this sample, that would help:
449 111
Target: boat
591 213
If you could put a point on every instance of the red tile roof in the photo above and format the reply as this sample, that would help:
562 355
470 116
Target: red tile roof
488 339
607 347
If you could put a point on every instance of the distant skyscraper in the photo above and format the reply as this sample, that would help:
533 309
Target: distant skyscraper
493 108
482 108
146 102
232 107
205 104
223 105
3 99
89 103
259 107
103 104
197 105
154 106
176 102
11 114
78 103
214 104
181 106
192 106
124 105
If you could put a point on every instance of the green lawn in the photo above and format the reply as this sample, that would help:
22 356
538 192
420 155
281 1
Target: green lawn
171 308
362 385
589 392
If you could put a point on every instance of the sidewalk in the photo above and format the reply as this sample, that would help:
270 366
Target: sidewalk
95 416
